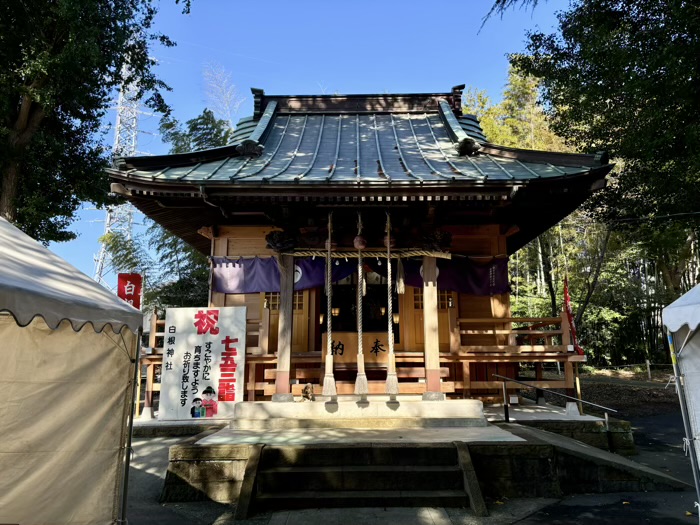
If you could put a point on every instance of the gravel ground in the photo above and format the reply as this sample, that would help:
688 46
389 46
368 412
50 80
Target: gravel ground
632 395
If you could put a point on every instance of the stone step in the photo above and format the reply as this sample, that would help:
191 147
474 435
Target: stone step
361 478
384 423
362 498
433 454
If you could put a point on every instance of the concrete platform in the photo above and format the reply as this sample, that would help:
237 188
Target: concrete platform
530 411
344 436
353 412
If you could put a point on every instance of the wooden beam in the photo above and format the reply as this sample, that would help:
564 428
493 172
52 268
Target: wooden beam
498 320
511 385
515 349
376 387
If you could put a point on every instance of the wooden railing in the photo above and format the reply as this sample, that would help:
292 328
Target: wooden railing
532 339
498 340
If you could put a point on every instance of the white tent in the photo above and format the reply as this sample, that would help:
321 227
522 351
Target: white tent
68 356
682 321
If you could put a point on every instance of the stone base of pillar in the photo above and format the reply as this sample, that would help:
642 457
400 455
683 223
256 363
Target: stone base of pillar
572 409
433 396
283 398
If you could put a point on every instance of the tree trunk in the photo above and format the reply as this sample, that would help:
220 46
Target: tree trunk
545 251
540 269
673 272
29 117
594 283
8 190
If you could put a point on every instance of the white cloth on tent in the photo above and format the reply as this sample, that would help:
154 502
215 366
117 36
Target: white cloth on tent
66 398
36 282
68 352
684 311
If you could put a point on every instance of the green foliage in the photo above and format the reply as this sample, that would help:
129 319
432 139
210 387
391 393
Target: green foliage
60 63
499 7
617 279
518 121
621 75
184 278
176 273
200 132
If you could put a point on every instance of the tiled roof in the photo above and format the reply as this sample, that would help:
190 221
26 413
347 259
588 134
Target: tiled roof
416 154
361 139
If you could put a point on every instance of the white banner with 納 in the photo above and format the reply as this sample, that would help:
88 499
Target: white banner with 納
203 362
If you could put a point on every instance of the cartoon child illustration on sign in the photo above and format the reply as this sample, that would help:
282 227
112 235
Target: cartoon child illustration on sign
210 404
197 409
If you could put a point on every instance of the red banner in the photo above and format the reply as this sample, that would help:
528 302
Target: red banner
129 288
570 315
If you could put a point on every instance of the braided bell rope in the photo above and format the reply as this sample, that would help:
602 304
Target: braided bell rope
328 379
392 381
361 386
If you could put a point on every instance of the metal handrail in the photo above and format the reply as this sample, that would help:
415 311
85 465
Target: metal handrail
505 395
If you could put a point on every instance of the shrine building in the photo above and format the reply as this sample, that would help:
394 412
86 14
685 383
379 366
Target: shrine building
369 236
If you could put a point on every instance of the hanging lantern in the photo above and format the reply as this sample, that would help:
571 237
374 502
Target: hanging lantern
360 243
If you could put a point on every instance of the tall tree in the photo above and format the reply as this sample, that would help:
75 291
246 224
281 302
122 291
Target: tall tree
177 274
519 121
622 75
60 62
202 132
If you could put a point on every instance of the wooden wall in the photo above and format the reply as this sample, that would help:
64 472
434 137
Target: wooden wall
240 241
475 241
249 241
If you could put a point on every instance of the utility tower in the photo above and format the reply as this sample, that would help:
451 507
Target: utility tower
120 219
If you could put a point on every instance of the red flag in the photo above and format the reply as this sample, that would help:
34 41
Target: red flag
570 316
129 288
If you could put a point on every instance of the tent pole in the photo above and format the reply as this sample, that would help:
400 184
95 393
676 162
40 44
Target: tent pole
686 417
127 459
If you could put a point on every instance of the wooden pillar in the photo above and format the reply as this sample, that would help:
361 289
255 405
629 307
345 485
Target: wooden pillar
264 340
251 381
430 326
466 379
569 378
284 334
138 391
539 394
453 311
565 331
148 400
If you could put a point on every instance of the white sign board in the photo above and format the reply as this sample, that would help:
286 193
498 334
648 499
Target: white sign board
203 362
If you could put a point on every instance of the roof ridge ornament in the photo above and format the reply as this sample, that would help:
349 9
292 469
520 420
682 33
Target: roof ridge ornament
464 144
457 99
252 145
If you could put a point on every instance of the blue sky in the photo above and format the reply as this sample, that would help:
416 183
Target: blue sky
313 46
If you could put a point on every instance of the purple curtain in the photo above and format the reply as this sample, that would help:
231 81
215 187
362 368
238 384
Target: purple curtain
459 274
262 274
